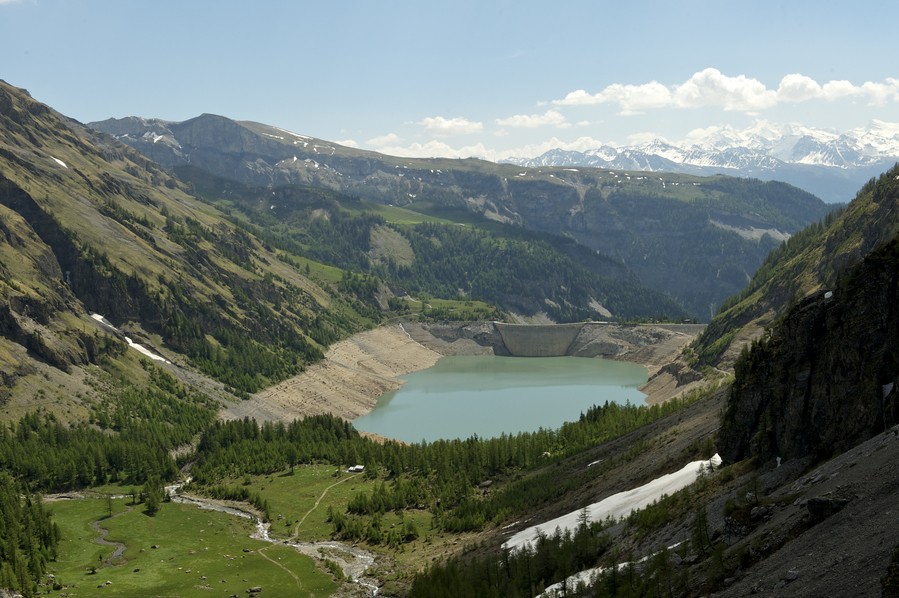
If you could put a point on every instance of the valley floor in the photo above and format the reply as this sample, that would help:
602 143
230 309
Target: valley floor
356 371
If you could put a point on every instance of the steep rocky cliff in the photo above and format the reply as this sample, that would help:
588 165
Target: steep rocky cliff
825 377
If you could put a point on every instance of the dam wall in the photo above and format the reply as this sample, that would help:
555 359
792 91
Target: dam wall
552 340
654 344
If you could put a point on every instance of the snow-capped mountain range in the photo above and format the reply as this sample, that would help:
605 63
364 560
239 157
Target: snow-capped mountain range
829 164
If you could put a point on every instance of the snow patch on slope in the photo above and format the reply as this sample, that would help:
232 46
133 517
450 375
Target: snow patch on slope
752 233
618 505
137 347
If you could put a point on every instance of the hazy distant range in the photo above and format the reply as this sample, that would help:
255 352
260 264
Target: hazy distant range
831 165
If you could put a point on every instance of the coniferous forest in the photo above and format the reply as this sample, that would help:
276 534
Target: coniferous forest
28 536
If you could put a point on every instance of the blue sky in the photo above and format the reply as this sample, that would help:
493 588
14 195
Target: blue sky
461 78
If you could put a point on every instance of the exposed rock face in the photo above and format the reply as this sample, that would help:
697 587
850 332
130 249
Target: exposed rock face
825 379
32 292
454 338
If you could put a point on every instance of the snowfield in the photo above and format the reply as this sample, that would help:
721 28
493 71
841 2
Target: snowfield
137 347
618 505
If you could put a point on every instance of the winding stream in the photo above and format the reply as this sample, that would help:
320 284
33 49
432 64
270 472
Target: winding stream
353 561
102 533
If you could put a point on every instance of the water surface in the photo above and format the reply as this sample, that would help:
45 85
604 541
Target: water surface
488 395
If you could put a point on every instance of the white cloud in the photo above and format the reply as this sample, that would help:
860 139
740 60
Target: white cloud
635 99
384 140
836 90
712 88
798 88
436 148
644 137
879 94
530 121
631 98
348 143
581 144
439 125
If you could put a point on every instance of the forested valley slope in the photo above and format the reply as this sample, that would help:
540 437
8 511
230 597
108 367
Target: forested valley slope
696 239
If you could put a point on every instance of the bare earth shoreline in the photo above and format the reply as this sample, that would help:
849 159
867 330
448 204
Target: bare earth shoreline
358 370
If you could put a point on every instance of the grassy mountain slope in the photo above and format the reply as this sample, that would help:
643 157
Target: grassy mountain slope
447 253
808 263
697 239
92 226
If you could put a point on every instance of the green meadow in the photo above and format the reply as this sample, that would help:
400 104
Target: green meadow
182 551
186 551
298 501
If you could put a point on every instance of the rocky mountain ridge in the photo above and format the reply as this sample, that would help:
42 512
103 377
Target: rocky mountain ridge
696 238
825 378
811 262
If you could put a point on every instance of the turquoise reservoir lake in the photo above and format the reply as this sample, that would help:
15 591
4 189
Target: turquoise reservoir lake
489 395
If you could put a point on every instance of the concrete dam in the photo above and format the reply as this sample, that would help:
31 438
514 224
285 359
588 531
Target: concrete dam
538 341
644 343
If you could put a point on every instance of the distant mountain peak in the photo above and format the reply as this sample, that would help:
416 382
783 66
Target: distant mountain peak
830 164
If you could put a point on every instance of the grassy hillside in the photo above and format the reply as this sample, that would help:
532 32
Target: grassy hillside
106 231
810 262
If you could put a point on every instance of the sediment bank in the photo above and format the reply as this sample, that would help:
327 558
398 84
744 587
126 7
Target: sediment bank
356 371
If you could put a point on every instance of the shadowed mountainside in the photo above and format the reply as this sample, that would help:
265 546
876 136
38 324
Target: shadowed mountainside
825 378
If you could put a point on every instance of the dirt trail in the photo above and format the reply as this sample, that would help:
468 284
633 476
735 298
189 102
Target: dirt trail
296 579
296 529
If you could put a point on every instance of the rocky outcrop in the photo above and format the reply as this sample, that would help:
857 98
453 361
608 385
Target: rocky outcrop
457 338
825 378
